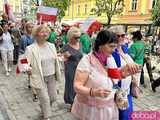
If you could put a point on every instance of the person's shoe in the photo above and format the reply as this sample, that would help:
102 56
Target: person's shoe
29 86
46 119
144 85
151 80
153 68
9 69
35 98
7 73
153 87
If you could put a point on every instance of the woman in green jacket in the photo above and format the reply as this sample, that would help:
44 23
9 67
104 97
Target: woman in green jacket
137 50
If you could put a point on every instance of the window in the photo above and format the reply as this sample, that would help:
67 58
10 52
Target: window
78 10
134 5
85 9
17 9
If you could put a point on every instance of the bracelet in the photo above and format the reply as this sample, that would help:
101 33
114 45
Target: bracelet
90 92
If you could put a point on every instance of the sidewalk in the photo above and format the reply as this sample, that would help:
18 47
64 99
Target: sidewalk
18 100
3 110
19 105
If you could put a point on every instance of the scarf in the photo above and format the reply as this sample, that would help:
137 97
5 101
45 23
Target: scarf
101 57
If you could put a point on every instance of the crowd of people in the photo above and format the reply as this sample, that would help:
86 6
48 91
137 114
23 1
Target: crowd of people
92 88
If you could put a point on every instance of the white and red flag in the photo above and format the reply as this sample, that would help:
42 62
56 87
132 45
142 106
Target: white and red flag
22 65
90 25
46 14
9 11
112 69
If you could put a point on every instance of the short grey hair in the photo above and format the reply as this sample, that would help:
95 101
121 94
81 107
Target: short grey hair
74 31
118 29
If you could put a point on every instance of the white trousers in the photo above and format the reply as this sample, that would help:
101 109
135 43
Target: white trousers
47 95
7 58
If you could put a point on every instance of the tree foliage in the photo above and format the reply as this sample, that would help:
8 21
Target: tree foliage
156 14
60 4
108 7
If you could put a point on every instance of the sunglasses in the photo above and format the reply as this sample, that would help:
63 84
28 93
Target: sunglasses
122 36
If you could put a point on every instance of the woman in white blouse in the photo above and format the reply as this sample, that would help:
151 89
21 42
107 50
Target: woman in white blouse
42 57
95 91
6 48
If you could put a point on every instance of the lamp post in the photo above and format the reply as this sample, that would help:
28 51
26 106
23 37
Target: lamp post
37 2
25 12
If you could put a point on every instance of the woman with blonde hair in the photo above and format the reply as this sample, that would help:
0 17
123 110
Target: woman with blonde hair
72 55
45 71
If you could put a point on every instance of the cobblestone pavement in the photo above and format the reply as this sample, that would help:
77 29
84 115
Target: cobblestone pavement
16 100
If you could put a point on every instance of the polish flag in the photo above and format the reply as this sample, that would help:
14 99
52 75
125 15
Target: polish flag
9 11
22 65
46 14
112 69
90 26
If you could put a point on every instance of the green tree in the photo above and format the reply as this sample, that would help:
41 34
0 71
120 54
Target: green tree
60 4
108 7
156 14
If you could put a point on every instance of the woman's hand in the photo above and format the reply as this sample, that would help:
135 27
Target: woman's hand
130 69
29 71
66 54
134 68
81 79
100 92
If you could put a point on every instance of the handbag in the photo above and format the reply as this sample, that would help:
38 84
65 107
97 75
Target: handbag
135 89
121 99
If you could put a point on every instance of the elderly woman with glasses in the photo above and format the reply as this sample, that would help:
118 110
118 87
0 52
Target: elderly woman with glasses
72 54
45 70
122 58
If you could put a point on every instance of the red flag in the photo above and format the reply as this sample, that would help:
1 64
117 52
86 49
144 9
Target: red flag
9 11
91 25
112 69
22 65
24 61
114 73
46 14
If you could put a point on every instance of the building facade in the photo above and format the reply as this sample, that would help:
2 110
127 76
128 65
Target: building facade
16 5
135 11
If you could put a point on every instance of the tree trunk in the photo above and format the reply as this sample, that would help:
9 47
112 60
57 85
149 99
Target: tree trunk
109 20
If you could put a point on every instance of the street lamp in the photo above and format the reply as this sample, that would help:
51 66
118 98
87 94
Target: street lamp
25 12
37 2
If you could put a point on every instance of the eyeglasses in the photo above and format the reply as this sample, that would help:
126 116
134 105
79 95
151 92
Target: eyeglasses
77 38
122 36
